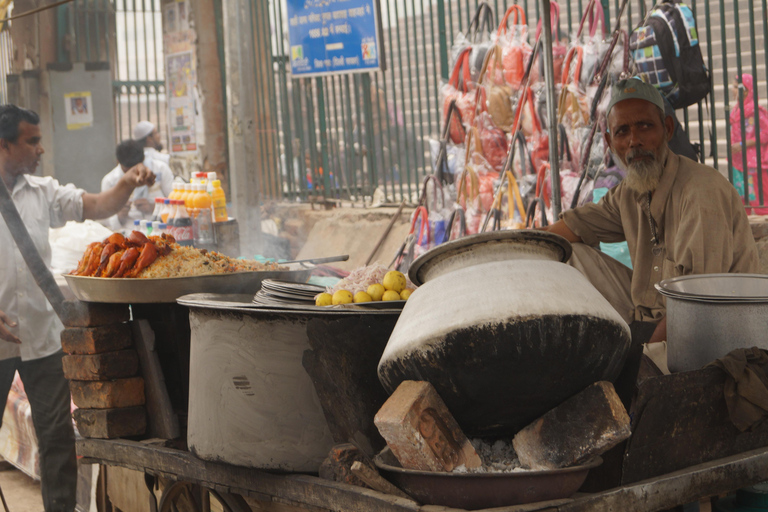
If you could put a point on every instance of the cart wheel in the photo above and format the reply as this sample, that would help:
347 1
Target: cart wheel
188 497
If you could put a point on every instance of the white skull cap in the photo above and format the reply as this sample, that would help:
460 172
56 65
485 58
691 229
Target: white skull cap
142 129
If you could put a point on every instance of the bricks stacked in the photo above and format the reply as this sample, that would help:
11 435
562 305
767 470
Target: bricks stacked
102 369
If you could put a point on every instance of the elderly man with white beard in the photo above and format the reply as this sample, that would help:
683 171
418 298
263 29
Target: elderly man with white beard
677 216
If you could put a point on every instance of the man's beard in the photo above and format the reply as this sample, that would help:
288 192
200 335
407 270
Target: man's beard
643 175
159 146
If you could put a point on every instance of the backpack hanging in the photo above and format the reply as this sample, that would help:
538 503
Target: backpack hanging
667 54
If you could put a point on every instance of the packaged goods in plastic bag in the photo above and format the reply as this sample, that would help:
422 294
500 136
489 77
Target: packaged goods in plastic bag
514 43
463 94
68 243
493 141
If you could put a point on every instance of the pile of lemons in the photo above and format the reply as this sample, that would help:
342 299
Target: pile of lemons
392 287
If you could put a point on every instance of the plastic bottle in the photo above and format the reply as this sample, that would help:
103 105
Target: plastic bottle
209 186
159 201
162 228
166 211
176 190
156 228
172 210
203 219
190 195
137 225
145 226
182 226
219 200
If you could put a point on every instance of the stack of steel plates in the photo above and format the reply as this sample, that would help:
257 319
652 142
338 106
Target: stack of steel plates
284 293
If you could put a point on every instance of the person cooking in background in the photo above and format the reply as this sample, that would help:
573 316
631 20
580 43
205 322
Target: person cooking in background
28 325
130 153
739 142
678 217
146 133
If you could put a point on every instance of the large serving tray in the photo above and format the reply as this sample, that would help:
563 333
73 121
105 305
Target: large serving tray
147 291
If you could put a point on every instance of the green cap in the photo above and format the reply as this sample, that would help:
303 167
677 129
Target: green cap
634 88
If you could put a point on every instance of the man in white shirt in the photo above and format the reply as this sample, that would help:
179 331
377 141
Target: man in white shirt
142 202
146 133
28 325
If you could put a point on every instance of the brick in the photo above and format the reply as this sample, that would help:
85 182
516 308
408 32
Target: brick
337 466
582 427
107 394
421 432
96 340
111 423
106 366
93 314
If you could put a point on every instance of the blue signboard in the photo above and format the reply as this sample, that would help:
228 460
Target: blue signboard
333 36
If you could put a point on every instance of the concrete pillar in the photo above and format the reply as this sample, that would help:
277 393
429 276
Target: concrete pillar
240 86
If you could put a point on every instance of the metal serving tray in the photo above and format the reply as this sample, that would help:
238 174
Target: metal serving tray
147 291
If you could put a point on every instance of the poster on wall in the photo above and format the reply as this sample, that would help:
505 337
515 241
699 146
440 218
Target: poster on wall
183 9
171 18
79 110
334 37
180 81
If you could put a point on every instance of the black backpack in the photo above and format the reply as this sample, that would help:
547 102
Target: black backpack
667 54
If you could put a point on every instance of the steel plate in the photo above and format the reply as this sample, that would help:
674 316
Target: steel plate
146 291
472 491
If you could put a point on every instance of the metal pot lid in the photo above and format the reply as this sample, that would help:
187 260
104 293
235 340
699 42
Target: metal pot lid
717 287
558 246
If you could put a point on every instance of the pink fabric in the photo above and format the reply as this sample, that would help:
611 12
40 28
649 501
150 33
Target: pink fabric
749 118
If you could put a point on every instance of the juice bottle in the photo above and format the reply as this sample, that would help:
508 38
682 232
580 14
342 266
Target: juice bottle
190 194
219 201
203 219
209 188
176 190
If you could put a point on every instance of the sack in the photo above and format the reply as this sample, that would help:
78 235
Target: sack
463 94
515 48
667 54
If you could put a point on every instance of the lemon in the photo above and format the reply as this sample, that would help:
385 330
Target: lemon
362 297
394 281
390 295
324 299
342 297
376 291
406 293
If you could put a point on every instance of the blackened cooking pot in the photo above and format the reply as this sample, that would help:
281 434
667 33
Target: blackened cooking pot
504 330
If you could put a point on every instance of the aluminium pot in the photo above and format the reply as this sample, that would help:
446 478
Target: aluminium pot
504 330
710 315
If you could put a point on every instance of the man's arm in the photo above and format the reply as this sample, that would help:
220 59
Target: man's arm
109 202
560 228
5 334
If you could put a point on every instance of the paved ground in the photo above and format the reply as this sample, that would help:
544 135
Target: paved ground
22 494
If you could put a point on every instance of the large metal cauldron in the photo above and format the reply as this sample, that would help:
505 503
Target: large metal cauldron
504 330
710 315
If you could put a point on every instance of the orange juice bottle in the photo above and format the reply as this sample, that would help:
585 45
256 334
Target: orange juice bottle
219 200
189 195
203 219
176 190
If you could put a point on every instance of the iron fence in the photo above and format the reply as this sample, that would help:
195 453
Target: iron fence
373 130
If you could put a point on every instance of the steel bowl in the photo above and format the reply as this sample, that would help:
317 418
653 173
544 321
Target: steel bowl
473 491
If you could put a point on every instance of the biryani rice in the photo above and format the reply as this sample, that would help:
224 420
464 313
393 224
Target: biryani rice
188 261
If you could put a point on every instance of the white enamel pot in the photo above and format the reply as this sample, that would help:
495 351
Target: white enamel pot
504 330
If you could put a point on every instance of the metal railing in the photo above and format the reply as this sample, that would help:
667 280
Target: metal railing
372 130
6 63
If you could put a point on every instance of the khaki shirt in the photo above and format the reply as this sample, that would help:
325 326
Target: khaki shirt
701 225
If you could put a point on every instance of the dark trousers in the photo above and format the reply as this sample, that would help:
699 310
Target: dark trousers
49 400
